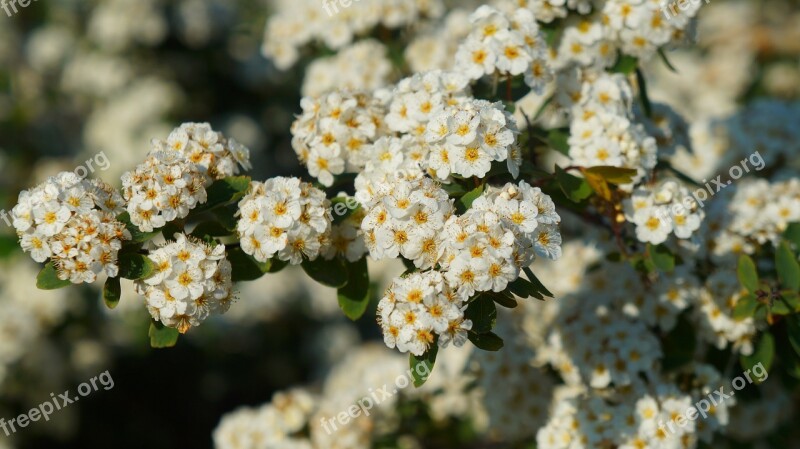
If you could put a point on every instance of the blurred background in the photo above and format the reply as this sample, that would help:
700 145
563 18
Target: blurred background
79 77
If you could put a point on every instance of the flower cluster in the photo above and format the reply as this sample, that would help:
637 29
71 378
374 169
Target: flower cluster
505 44
662 210
714 314
406 218
602 130
420 307
192 280
363 65
173 178
72 221
299 22
284 216
469 136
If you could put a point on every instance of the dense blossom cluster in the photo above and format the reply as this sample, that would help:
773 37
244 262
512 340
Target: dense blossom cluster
287 217
173 178
361 66
72 221
300 22
602 130
192 281
507 45
417 309
666 209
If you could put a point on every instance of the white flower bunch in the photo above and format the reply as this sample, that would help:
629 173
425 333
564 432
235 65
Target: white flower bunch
406 218
419 307
665 209
192 280
335 133
297 23
218 156
284 216
416 100
346 240
466 138
602 127
434 47
363 65
762 210
714 314
507 45
173 179
72 221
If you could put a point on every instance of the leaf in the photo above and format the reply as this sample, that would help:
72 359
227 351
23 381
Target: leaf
112 292
331 273
465 202
625 64
788 268
599 185
745 307
354 297
763 353
747 274
503 300
343 207
646 105
792 234
137 236
538 287
613 175
792 299
8 245
793 329
488 341
666 60
224 191
558 139
211 229
483 314
661 257
226 215
244 267
48 278
425 361
162 336
135 266
575 189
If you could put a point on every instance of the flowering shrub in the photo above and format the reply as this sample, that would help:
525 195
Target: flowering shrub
551 260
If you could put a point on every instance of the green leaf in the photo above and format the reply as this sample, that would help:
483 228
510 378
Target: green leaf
423 363
354 297
112 292
747 274
488 341
211 229
538 288
626 64
343 207
332 273
48 278
763 353
792 234
792 299
576 189
502 299
614 175
224 191
558 139
788 268
646 105
226 215
465 202
745 307
135 266
162 336
137 236
793 329
244 267
483 314
666 60
661 257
